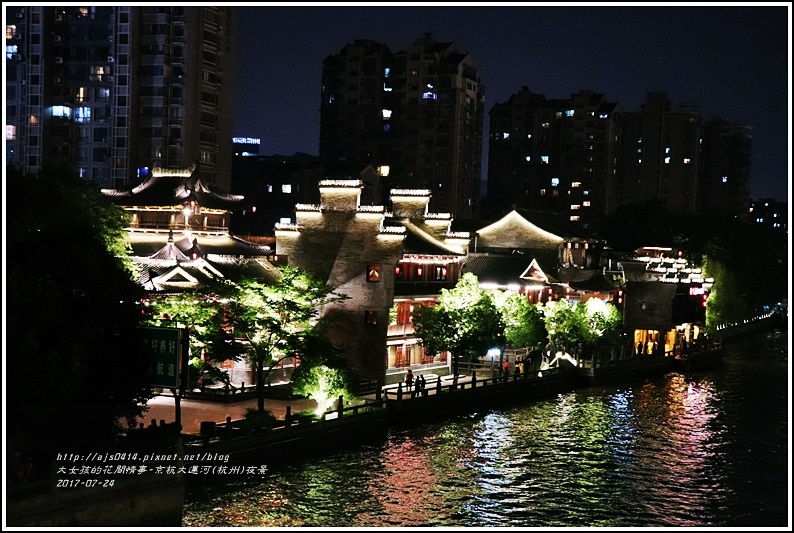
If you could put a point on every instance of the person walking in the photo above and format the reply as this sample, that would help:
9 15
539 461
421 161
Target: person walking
409 380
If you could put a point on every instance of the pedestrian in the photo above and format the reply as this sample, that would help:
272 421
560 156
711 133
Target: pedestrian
409 379
506 366
639 348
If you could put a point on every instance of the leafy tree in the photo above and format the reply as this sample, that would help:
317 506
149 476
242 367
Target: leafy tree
465 322
523 320
73 363
201 312
276 322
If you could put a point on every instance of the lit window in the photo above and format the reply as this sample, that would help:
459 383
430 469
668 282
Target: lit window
575 207
667 150
586 193
286 188
576 184
61 111
429 96
543 192
386 88
574 218
384 170
528 158
544 160
639 161
529 135
386 72
10 30
505 135
558 114
725 179
603 115
82 114
269 188
545 125
569 112
11 132
687 160
386 113
284 220
555 182
586 203
33 120
666 160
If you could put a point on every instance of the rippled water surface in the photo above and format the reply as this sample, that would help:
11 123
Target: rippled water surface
706 449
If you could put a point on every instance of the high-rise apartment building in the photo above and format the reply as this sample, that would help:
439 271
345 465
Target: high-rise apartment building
661 154
117 90
725 167
556 155
416 115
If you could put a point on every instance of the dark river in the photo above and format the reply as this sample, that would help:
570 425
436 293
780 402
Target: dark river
700 449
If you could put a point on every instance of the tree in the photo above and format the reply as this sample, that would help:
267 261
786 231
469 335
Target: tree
523 320
465 322
73 364
201 313
278 321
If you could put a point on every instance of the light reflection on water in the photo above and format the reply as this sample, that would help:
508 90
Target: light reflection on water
669 451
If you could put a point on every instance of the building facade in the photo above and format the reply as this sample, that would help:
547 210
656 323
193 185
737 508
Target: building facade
557 155
116 90
725 167
661 154
415 115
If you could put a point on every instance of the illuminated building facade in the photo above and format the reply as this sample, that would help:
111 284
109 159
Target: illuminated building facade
116 90
415 115
557 155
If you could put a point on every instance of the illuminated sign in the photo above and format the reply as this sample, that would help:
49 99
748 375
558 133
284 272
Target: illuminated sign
245 140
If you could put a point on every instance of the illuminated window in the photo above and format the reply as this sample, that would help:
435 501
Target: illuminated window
575 207
505 135
558 114
545 125
543 192
666 160
725 179
544 160
373 273
603 115
82 94
528 158
555 182
586 203
687 160
574 218
386 72
429 96
61 111
11 132
33 120
576 184
10 31
386 113
384 170
569 112
286 188
586 193
97 72
82 114
529 135
269 188
667 150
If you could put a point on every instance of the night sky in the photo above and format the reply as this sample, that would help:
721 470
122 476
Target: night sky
734 59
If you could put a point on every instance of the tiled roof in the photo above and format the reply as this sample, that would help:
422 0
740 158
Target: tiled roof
174 191
507 269
147 244
170 275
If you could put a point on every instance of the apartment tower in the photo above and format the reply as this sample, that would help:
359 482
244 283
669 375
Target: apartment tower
116 90
415 115
555 155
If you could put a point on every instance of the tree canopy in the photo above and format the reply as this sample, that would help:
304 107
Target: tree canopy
465 322
73 364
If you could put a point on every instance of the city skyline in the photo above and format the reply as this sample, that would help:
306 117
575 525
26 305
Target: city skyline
692 53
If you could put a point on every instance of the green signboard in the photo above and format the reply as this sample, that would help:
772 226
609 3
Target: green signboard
163 347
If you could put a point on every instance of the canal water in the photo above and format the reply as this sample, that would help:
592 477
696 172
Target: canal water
704 449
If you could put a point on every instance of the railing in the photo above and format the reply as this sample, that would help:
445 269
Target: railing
437 385
237 432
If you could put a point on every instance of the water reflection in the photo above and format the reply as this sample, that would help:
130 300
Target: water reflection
669 451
